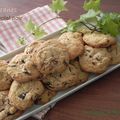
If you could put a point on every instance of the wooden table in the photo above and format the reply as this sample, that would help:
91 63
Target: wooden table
98 101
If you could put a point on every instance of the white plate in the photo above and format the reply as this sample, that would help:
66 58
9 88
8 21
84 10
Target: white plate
37 108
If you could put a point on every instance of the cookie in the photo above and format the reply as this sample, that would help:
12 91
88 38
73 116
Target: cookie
22 69
13 116
95 60
69 77
32 47
45 97
83 76
51 57
7 111
3 97
114 50
84 30
22 95
74 43
5 79
96 39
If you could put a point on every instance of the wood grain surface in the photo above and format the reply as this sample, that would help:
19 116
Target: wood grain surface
98 101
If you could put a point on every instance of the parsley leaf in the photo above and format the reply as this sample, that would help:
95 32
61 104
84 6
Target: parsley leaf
58 6
34 29
96 20
38 32
29 26
110 23
92 4
91 14
72 26
21 41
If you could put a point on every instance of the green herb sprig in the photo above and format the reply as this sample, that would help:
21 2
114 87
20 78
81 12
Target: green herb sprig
108 23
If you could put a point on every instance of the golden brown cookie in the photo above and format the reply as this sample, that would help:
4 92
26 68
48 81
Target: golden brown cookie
7 111
83 76
46 96
22 69
13 116
114 50
51 57
74 43
95 60
33 46
96 39
23 95
5 79
71 76
3 97
84 30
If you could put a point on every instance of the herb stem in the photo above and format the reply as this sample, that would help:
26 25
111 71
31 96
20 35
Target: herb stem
92 29
57 17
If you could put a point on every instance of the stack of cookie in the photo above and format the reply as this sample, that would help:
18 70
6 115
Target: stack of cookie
49 66
101 51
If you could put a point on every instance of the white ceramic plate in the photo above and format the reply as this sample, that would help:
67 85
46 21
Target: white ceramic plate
37 108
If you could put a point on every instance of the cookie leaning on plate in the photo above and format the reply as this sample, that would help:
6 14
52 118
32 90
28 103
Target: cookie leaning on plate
83 76
51 56
69 77
96 39
7 111
74 43
46 96
22 69
3 96
95 60
32 47
114 50
5 79
23 95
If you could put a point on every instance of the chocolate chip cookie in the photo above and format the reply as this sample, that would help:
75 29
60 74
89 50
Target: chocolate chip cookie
71 76
51 57
114 50
74 43
5 79
46 96
3 96
22 69
7 111
95 60
33 46
22 95
83 76
96 39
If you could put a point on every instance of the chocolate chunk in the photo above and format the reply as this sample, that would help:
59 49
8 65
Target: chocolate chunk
22 61
22 96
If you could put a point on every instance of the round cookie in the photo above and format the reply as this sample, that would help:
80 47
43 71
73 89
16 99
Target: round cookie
69 77
83 30
83 76
51 57
95 60
22 95
32 47
13 116
22 69
3 97
45 97
74 43
7 111
5 79
96 39
114 50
